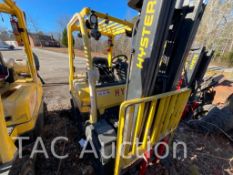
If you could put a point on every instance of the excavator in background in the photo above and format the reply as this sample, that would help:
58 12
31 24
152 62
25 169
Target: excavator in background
21 100
153 101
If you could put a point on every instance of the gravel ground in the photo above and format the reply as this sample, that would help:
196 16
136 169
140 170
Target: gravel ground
54 69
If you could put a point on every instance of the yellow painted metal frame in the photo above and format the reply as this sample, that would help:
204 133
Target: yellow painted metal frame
10 7
164 116
7 148
111 30
28 86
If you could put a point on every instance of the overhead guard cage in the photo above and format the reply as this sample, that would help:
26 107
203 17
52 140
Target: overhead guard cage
111 29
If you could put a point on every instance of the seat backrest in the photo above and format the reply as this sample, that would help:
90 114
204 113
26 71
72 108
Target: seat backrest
100 60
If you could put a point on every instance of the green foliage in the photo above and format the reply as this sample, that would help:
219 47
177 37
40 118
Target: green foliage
228 58
217 54
64 39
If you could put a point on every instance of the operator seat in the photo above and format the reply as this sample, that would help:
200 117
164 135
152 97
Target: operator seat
106 75
3 68
100 60
6 73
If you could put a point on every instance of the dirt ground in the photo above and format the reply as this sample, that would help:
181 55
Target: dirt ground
59 123
224 90
207 154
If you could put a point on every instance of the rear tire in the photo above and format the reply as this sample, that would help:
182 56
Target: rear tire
40 122
77 117
11 47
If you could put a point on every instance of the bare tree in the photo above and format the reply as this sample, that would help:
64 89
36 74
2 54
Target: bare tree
214 22
62 22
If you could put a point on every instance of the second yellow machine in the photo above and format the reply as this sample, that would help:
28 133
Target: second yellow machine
21 101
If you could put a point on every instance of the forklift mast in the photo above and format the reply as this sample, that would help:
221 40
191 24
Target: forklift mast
196 67
163 39
150 37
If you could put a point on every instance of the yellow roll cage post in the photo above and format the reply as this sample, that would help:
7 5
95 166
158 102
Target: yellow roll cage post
111 30
7 148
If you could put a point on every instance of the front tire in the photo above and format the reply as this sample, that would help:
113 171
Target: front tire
77 117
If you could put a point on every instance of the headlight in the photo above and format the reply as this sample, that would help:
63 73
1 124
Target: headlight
93 19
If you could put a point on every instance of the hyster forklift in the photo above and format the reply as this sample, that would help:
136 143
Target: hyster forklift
153 101
21 101
103 85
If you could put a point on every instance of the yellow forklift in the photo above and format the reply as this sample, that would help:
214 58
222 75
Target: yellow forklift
150 109
102 85
21 101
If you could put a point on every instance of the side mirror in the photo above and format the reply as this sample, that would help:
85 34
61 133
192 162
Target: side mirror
93 20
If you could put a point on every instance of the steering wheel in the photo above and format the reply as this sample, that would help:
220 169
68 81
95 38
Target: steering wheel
119 59
120 67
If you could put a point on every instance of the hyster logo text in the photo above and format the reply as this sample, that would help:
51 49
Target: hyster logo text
146 31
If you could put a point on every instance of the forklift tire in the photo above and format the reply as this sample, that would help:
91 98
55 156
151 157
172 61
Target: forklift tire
40 122
77 117
73 111
24 166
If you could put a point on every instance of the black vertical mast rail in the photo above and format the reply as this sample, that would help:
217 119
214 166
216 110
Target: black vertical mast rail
183 45
154 22
151 35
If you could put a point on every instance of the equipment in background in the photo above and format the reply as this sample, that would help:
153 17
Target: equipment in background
196 67
214 119
202 88
21 101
